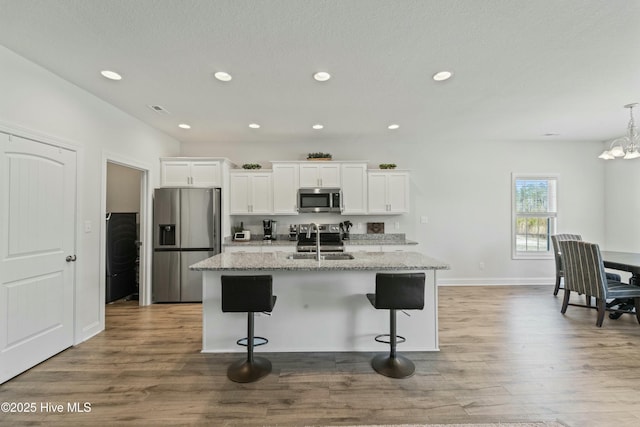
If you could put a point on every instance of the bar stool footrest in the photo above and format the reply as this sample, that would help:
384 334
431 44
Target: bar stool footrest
399 339
256 341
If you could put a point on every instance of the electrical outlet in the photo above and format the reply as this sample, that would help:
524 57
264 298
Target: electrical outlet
481 266
424 219
88 227
397 225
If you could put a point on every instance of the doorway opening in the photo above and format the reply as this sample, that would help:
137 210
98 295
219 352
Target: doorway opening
125 187
122 236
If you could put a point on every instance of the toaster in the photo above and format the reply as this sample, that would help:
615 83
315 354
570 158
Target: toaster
242 235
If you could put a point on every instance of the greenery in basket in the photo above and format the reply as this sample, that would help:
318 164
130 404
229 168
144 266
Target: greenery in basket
251 166
387 166
319 156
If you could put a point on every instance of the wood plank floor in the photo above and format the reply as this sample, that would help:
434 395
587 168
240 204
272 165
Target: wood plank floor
507 354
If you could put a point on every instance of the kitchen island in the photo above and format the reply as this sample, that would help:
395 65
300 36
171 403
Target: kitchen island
321 305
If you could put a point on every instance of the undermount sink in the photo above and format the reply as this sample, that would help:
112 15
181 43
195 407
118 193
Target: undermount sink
327 257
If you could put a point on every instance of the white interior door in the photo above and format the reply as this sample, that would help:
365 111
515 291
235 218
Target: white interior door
37 234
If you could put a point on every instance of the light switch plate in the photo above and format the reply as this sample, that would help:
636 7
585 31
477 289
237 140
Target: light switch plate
88 227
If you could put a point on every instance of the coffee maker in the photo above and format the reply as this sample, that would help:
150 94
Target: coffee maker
269 226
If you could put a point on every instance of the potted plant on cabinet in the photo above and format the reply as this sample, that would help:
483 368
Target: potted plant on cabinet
251 166
319 156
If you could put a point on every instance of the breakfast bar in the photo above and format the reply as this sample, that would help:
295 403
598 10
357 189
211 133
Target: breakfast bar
321 304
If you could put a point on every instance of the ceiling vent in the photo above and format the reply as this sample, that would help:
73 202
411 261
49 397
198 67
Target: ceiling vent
159 109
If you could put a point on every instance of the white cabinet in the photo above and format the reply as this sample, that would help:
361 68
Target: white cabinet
388 192
354 188
320 174
285 188
250 193
180 172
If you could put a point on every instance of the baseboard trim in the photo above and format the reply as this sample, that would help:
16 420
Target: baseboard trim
498 281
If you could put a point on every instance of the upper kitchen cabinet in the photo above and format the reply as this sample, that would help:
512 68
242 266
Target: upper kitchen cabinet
286 181
191 172
388 192
250 192
319 174
354 188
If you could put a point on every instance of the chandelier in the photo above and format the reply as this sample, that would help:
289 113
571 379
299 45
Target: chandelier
627 146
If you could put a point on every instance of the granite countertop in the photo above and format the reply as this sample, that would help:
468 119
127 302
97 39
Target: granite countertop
356 240
279 261
381 242
259 242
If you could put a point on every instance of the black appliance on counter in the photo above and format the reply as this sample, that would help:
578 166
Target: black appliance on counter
121 256
330 240
269 227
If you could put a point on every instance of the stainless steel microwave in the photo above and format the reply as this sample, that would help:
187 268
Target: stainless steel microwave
319 200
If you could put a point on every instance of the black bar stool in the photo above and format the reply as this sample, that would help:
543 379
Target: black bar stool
396 292
249 294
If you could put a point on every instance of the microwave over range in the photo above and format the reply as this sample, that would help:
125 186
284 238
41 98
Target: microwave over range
319 200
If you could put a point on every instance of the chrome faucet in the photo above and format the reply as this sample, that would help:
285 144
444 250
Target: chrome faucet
313 224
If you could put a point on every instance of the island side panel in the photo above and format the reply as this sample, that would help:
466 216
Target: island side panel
318 311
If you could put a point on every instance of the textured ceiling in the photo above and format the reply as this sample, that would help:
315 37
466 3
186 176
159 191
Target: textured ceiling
522 68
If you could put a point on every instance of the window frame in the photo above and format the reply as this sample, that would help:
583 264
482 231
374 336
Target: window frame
548 254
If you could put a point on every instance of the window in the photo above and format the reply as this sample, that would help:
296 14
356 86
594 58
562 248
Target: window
534 214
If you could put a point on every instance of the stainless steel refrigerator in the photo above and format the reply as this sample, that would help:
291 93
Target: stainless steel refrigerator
186 224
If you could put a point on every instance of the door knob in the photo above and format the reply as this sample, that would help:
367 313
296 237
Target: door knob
71 258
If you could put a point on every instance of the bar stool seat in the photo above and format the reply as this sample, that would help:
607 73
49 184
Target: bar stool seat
396 292
250 294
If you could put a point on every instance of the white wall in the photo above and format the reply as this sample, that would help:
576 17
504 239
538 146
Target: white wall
464 188
622 201
123 188
39 102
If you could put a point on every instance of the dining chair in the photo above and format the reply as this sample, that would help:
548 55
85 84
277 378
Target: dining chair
560 271
556 253
584 273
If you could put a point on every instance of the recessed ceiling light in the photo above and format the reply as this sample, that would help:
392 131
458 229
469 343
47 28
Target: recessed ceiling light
442 76
393 126
322 76
184 126
254 126
222 76
551 134
111 75
317 126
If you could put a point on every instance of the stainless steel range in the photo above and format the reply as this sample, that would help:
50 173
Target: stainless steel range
330 239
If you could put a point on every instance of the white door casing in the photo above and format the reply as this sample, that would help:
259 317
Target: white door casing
37 252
